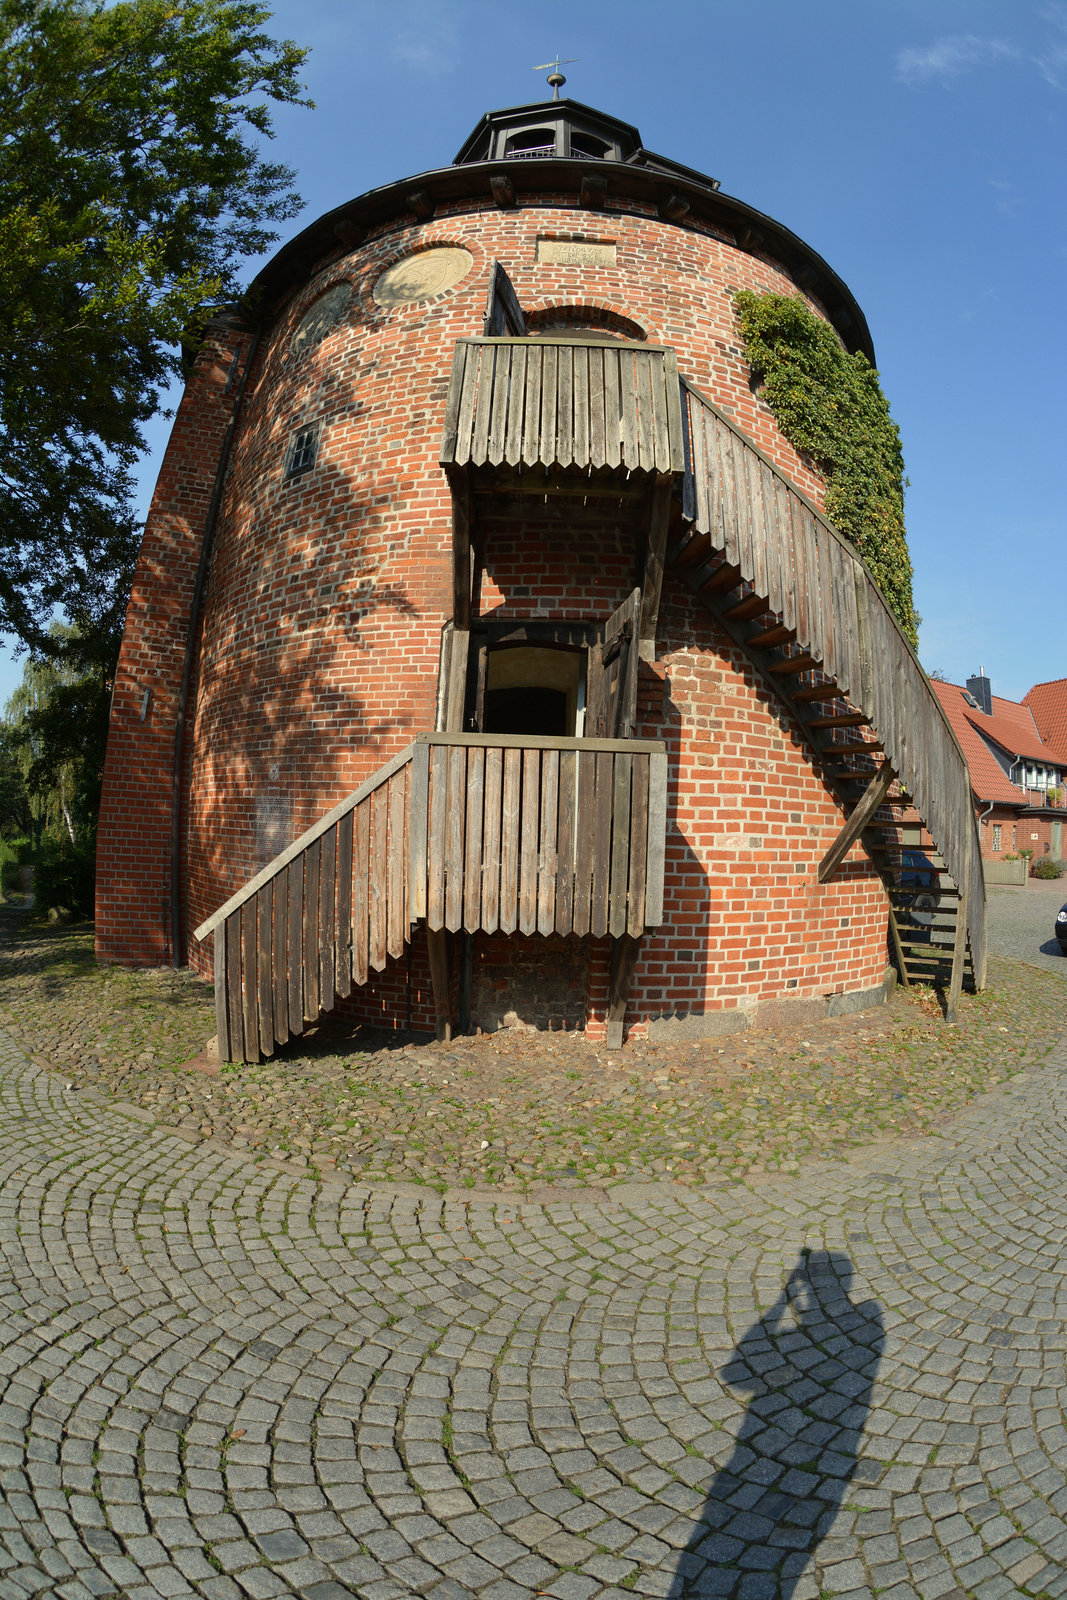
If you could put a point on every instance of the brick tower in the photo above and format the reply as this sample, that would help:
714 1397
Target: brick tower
489 658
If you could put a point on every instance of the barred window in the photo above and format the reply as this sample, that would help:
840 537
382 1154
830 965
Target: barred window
303 450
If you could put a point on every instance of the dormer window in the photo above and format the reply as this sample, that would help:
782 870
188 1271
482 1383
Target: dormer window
531 142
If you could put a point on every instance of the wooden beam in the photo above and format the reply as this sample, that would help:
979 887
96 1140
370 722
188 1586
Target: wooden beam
440 981
623 959
873 796
959 943
659 521
461 552
456 693
898 948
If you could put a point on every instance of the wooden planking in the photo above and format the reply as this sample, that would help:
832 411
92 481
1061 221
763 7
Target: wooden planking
342 976
635 920
249 1006
280 981
361 893
516 408
435 871
584 813
379 886
396 922
655 859
418 837
565 408
265 963
581 446
222 997
509 841
547 853
491 840
618 907
327 918
600 416
602 804
566 840
231 931
528 841
453 853
472 885
311 931
295 946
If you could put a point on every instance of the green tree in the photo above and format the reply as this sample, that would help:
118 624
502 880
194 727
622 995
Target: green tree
829 404
55 726
131 188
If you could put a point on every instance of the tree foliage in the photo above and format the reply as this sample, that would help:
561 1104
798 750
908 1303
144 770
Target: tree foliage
830 406
131 186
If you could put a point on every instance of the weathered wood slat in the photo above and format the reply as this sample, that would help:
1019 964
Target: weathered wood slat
361 869
584 812
379 878
580 401
491 840
531 437
249 999
222 1015
509 840
435 871
327 917
265 960
655 859
311 931
547 447
598 414
635 919
342 969
419 835
234 997
547 854
528 841
565 846
280 918
396 922
618 908
516 408
457 785
605 794
295 941
472 885
565 407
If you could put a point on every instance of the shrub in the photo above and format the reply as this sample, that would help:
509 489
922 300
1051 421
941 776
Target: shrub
64 878
1046 868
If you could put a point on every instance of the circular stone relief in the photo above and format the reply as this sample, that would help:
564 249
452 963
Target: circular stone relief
320 317
423 275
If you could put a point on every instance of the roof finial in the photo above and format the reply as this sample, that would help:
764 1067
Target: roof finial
555 76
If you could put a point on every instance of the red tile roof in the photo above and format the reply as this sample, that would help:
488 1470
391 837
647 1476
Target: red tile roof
1048 702
1011 726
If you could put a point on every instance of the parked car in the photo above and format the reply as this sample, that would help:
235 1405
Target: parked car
1061 929
918 872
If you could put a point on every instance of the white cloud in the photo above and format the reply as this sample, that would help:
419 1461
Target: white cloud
952 56
1051 61
426 43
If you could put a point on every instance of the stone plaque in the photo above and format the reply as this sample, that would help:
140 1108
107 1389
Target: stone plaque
320 317
423 275
274 826
575 253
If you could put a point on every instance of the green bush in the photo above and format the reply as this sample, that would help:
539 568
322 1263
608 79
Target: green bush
1046 868
64 878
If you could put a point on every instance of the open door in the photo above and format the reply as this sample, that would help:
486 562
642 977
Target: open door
611 691
503 313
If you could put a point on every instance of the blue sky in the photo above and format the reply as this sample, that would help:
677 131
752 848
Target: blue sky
917 144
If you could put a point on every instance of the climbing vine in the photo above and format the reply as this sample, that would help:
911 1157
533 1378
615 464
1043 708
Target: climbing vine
830 406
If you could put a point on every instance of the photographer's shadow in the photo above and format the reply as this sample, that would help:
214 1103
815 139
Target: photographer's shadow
809 1365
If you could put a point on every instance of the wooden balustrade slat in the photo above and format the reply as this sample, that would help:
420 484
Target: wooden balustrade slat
342 975
635 920
361 893
222 996
280 916
491 840
435 867
295 944
472 879
249 997
234 996
568 763
528 841
327 917
620 847
584 823
265 962
379 880
547 854
457 786
396 927
605 794
311 931
509 841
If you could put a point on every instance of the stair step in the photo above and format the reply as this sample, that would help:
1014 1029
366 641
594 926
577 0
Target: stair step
850 719
793 664
817 691
769 637
725 577
753 605
873 748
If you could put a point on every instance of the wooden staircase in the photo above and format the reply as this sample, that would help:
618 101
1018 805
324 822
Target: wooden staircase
798 600
459 832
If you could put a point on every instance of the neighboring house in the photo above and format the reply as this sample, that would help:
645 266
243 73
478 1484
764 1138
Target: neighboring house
1048 703
1019 778
572 702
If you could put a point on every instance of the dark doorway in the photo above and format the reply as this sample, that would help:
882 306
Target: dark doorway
527 711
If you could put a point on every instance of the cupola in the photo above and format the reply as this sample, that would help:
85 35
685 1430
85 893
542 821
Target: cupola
550 129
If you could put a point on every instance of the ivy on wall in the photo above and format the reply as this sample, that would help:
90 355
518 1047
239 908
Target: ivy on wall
830 406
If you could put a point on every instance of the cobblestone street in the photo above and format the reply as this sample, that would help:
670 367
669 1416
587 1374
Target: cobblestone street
223 1379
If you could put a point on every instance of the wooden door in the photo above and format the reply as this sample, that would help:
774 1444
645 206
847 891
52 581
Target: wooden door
503 314
611 685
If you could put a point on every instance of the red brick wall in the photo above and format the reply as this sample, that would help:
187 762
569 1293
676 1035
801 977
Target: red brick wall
327 594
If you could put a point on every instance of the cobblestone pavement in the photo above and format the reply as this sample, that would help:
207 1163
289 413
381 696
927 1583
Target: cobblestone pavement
1021 922
226 1380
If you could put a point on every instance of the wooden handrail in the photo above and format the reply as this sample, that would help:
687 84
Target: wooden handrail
309 836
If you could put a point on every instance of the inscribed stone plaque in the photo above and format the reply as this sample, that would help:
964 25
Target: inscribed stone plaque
274 825
320 317
575 253
423 275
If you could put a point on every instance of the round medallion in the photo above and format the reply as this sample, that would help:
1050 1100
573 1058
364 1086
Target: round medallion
423 275
321 316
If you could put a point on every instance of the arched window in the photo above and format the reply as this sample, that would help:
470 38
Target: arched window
532 142
583 144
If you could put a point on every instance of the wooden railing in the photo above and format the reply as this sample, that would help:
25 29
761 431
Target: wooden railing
816 581
459 831
544 403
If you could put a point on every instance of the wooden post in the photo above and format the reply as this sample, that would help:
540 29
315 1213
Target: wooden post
441 981
623 957
898 948
655 556
872 798
959 943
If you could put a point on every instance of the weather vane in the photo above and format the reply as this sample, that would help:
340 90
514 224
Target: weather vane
555 76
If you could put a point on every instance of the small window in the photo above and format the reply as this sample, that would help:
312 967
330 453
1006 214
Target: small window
303 450
996 836
1014 834
532 142
583 144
